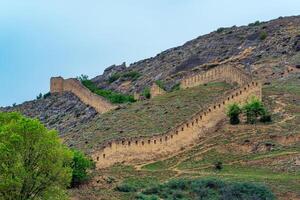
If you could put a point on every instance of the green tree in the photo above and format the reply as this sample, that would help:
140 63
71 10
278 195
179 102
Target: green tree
83 77
254 109
80 166
233 113
34 163
40 96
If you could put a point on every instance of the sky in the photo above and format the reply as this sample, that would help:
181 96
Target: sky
40 39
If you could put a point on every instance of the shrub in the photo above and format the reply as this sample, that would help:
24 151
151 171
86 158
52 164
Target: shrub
253 110
266 118
113 97
126 188
160 84
218 166
40 96
233 113
114 77
146 93
81 164
220 30
263 35
83 77
48 94
175 87
132 75
257 23
207 189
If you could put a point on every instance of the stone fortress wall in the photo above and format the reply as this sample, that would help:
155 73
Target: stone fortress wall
225 73
58 85
187 133
155 90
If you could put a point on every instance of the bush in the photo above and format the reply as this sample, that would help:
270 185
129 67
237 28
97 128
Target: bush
160 84
40 96
263 35
34 163
257 23
220 30
83 77
175 87
114 77
146 93
207 189
48 94
132 75
113 97
266 118
218 166
233 113
126 188
253 110
81 164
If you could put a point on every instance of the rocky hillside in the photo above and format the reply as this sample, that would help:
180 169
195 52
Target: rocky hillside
275 45
60 112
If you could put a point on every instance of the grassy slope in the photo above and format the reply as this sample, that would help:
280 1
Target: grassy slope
274 167
150 117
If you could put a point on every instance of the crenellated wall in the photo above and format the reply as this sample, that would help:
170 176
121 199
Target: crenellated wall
183 135
58 84
155 90
225 73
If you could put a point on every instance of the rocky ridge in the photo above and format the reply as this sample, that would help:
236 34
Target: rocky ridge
275 44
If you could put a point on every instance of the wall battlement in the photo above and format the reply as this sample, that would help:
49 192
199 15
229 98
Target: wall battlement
59 85
155 90
225 73
185 134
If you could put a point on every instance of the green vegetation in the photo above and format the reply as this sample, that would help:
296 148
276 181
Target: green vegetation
254 110
43 96
34 163
150 117
175 87
238 148
256 23
161 84
206 189
221 29
39 96
263 35
81 164
112 96
114 77
233 113
83 77
132 75
146 93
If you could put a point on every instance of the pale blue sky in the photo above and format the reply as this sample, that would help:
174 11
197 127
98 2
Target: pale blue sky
40 39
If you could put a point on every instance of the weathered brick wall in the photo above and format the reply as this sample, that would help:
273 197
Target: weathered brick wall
155 90
183 135
225 73
58 84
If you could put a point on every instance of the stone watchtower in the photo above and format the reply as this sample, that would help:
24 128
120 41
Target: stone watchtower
56 84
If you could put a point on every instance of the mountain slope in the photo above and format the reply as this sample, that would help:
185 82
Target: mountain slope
275 44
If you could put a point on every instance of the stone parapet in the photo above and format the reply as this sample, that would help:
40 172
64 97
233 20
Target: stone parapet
59 85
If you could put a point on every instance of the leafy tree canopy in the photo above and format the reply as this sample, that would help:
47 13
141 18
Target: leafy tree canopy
34 163
80 166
